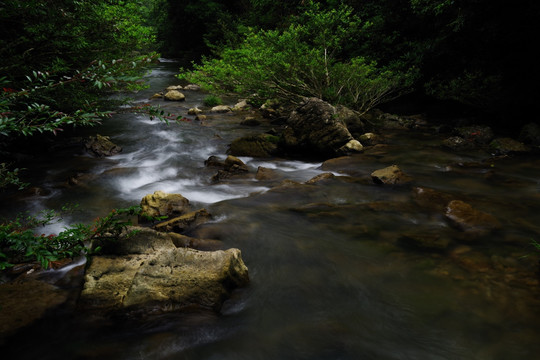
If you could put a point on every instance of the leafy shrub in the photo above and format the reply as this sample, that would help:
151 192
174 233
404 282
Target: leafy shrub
20 242
212 100
305 59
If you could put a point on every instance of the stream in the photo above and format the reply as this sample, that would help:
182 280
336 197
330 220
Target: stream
329 276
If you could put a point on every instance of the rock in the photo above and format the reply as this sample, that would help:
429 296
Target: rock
201 118
353 146
141 241
320 177
266 174
164 281
530 134
431 199
391 175
174 87
426 241
235 165
164 204
101 146
185 222
230 167
241 105
315 128
194 111
504 146
250 121
262 145
458 143
174 95
466 218
214 161
192 87
220 109
353 120
476 133
25 300
370 139
156 96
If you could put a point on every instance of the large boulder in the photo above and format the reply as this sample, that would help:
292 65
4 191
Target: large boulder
161 277
101 146
164 204
316 128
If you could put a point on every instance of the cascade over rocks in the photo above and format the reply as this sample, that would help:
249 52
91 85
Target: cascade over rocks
316 128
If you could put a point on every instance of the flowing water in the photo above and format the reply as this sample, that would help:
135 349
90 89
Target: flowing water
329 278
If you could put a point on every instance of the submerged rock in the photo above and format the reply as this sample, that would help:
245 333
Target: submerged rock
468 219
425 241
25 300
391 175
101 146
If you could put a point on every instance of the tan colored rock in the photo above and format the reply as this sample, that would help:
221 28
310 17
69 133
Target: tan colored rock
168 280
164 204
174 95
194 111
391 175
320 177
220 109
174 87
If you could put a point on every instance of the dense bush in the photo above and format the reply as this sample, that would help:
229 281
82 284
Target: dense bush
305 59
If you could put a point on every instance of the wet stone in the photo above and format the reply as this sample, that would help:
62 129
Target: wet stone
391 175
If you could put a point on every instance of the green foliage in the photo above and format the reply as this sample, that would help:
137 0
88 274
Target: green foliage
212 100
20 240
58 60
38 105
305 59
10 177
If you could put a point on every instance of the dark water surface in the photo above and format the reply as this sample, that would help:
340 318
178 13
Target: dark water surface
329 277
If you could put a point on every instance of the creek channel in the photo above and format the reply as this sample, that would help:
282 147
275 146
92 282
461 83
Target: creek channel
329 276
